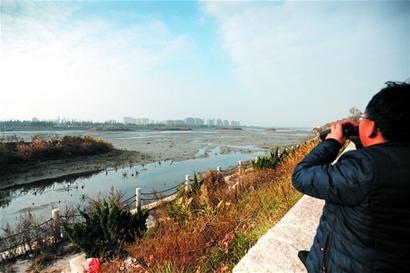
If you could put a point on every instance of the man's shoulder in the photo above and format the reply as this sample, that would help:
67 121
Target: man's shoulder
395 149
363 153
380 154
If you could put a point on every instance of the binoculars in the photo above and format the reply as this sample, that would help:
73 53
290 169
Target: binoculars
349 131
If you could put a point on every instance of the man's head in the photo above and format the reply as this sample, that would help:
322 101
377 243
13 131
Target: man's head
387 116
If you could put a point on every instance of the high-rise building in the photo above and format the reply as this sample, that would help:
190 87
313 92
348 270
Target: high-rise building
179 122
226 123
199 121
142 121
235 123
190 121
211 122
219 122
110 121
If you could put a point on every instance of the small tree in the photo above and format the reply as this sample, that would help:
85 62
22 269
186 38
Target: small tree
355 112
108 225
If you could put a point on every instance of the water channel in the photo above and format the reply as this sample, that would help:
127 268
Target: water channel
72 191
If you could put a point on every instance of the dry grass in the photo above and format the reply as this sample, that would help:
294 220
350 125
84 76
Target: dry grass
215 226
16 152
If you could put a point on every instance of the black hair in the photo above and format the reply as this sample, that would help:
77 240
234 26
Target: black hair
390 110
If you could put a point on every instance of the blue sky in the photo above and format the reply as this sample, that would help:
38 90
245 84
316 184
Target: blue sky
264 63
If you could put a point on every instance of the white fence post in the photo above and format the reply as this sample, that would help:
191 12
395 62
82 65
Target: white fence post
240 166
55 215
138 198
256 158
187 184
218 169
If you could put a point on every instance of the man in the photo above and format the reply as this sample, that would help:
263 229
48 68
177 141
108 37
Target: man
365 225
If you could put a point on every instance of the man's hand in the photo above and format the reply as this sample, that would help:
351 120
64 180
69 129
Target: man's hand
336 130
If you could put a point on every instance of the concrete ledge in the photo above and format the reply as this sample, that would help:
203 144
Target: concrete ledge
276 251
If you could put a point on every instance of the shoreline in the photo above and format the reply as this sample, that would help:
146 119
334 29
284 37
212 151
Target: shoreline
149 149
62 169
76 166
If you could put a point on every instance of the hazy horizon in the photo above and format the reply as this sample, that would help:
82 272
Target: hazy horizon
281 63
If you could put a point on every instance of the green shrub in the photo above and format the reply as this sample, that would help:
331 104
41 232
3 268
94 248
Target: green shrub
270 162
179 209
108 226
204 196
196 184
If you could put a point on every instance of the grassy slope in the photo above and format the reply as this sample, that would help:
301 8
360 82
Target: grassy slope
210 231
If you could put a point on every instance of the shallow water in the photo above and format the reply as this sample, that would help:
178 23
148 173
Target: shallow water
75 190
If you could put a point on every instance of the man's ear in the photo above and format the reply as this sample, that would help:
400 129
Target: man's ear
372 129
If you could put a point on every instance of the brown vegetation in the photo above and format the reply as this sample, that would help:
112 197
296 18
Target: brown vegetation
211 229
40 149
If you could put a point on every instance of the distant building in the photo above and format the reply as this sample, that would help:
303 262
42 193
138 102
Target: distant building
211 122
179 122
35 120
152 121
199 122
235 123
190 121
170 122
110 121
129 120
142 121
226 123
219 122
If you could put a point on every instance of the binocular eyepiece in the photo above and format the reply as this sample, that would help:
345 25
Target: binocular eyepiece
349 131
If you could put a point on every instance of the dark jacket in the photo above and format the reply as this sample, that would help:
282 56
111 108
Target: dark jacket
365 224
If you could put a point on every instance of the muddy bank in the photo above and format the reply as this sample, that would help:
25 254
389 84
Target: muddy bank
53 169
179 146
147 147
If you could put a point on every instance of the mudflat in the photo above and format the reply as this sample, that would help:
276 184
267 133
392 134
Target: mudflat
139 147
179 146
29 173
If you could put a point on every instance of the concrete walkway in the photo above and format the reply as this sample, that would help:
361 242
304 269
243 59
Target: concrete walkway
276 251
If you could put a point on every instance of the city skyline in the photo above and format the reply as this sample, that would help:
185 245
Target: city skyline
186 121
194 121
129 120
